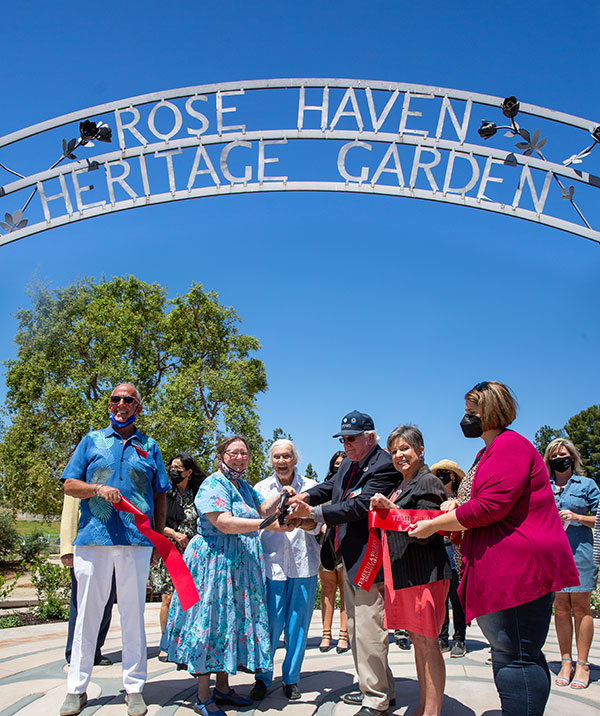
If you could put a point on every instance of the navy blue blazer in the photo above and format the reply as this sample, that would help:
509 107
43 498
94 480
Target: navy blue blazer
349 511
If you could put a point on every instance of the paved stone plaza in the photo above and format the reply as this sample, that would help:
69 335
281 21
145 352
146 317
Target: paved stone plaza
33 678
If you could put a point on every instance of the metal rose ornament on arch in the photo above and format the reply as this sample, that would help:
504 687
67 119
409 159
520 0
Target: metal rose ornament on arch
304 134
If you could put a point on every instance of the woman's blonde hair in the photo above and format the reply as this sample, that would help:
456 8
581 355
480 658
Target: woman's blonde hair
496 402
555 446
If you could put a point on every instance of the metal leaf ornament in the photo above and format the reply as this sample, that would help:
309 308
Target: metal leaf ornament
68 148
567 194
15 221
531 144
510 160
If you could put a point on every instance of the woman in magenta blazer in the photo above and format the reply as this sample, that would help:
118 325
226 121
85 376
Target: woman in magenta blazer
515 551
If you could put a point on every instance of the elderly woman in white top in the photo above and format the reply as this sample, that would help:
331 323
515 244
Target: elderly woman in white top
291 562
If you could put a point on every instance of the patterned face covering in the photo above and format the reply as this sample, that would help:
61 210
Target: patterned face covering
229 472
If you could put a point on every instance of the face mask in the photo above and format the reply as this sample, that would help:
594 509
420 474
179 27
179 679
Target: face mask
230 472
471 426
561 464
117 425
175 476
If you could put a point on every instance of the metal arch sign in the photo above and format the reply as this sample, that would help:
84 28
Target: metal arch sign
381 138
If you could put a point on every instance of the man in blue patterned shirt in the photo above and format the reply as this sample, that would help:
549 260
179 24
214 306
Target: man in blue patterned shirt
107 464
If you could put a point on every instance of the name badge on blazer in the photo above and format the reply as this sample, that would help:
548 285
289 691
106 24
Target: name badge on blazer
355 493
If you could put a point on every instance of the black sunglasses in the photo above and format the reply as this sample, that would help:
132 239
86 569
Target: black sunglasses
116 399
348 439
481 386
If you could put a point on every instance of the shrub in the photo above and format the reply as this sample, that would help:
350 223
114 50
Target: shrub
9 537
9 621
7 585
32 545
52 584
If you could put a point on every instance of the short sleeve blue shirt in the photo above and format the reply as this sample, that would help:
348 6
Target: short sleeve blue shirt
134 466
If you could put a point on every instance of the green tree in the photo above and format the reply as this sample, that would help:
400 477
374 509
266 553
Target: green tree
194 370
584 431
311 473
544 436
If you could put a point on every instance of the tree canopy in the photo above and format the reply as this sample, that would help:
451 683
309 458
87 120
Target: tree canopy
194 369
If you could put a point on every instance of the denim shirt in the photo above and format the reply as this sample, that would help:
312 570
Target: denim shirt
580 495
134 466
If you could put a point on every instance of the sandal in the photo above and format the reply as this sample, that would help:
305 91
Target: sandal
325 641
563 680
577 683
342 639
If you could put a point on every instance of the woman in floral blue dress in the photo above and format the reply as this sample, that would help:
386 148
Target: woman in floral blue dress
228 627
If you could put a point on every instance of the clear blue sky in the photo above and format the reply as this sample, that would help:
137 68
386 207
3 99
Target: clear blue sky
389 306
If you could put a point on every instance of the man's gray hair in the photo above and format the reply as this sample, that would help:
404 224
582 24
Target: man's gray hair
281 443
374 433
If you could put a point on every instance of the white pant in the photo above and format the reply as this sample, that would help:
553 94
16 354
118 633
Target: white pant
94 566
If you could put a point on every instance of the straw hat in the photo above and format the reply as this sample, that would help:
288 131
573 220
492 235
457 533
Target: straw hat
447 465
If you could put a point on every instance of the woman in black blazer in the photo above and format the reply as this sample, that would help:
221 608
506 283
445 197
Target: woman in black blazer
416 573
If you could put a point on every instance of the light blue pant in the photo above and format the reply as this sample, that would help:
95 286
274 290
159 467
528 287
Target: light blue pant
290 605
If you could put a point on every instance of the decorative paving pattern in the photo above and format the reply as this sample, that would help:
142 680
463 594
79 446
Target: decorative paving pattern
33 679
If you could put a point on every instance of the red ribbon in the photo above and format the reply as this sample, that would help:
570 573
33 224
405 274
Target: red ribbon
176 567
395 521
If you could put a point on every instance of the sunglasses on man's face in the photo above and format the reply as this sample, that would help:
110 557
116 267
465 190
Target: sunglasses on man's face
116 399
349 438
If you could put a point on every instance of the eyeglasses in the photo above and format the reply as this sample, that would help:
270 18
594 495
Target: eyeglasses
116 399
237 454
481 386
349 438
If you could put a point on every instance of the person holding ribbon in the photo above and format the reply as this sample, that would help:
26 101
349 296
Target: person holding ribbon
417 572
515 551
229 627
186 477
107 465
577 499
343 504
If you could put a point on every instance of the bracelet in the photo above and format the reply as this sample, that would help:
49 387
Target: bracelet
98 486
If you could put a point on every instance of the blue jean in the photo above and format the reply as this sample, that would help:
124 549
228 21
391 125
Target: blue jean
104 624
290 604
521 673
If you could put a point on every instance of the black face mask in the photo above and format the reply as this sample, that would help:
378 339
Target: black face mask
471 426
175 476
561 464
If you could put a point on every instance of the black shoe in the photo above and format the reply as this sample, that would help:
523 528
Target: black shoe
102 661
458 649
291 691
444 645
258 691
230 698
402 639
367 711
355 698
